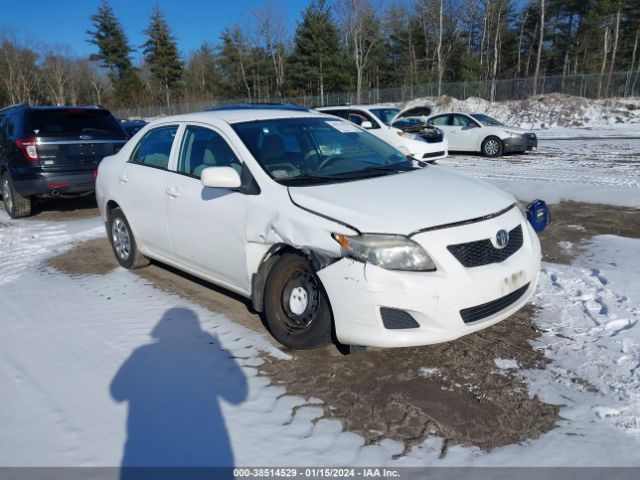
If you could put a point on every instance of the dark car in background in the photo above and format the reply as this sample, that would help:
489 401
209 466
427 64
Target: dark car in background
131 127
53 151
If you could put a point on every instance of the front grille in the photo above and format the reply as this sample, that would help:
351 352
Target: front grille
433 154
473 314
394 319
482 252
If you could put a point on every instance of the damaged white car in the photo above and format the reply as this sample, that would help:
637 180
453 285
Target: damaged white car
328 230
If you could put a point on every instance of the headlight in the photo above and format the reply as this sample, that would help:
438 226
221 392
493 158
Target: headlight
393 252
512 134
411 136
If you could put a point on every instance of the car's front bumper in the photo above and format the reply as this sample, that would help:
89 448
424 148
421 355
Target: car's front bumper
426 151
522 143
434 299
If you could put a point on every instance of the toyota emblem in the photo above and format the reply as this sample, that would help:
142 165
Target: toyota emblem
502 239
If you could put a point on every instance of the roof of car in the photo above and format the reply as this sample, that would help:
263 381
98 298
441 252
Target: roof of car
259 106
240 115
26 106
360 106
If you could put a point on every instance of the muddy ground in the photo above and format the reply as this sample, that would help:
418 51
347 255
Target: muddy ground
452 390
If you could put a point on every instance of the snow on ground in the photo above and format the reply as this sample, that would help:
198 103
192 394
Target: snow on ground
595 170
73 348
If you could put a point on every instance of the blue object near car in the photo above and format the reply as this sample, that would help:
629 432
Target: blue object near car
538 215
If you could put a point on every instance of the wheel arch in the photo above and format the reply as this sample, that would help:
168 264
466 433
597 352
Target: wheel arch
259 279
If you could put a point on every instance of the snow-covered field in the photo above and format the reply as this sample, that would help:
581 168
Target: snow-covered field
79 352
598 171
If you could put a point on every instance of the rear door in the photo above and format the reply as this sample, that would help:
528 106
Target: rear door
74 139
143 186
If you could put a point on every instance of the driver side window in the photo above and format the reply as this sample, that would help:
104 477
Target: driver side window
462 121
441 120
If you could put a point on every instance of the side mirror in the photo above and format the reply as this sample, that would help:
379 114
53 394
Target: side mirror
220 177
367 125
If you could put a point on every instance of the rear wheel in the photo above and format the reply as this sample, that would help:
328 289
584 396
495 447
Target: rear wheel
492 147
296 306
123 243
15 204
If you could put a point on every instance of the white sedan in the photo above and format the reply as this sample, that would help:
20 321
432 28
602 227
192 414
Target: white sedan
477 132
378 120
329 231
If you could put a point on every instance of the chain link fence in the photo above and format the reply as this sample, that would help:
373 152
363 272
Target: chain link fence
618 84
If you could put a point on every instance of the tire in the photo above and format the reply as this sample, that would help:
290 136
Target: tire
15 204
123 243
492 147
297 309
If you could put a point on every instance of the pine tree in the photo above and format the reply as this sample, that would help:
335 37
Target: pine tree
317 64
161 54
111 41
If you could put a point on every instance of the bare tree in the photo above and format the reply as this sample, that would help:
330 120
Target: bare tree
362 29
605 52
523 20
271 26
616 35
19 74
540 44
439 50
56 74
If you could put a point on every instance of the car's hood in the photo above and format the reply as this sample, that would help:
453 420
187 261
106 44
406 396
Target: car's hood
513 129
403 203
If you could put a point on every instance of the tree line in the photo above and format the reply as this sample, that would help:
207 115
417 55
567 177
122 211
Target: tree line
339 45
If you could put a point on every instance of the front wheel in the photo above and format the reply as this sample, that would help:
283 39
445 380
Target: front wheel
296 306
123 243
15 204
492 147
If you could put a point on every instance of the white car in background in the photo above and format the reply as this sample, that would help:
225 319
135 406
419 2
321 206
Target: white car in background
477 132
378 120
326 228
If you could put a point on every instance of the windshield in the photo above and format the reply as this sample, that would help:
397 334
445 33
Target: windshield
311 151
486 119
385 114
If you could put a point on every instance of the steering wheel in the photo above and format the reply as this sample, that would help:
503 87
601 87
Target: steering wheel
330 159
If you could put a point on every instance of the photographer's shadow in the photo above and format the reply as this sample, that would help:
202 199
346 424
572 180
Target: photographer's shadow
172 386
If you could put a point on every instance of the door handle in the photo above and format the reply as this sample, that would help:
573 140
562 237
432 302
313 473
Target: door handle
172 192
124 179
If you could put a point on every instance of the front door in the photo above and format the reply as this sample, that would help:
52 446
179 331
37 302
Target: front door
207 225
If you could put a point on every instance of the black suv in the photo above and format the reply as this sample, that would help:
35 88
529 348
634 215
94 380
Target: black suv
52 151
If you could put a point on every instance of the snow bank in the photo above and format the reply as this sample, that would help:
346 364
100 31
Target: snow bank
545 111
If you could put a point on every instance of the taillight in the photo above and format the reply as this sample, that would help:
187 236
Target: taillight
28 148
95 174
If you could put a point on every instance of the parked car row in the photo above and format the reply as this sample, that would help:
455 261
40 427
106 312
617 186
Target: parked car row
331 222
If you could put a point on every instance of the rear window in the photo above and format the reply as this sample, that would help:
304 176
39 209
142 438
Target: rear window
74 123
